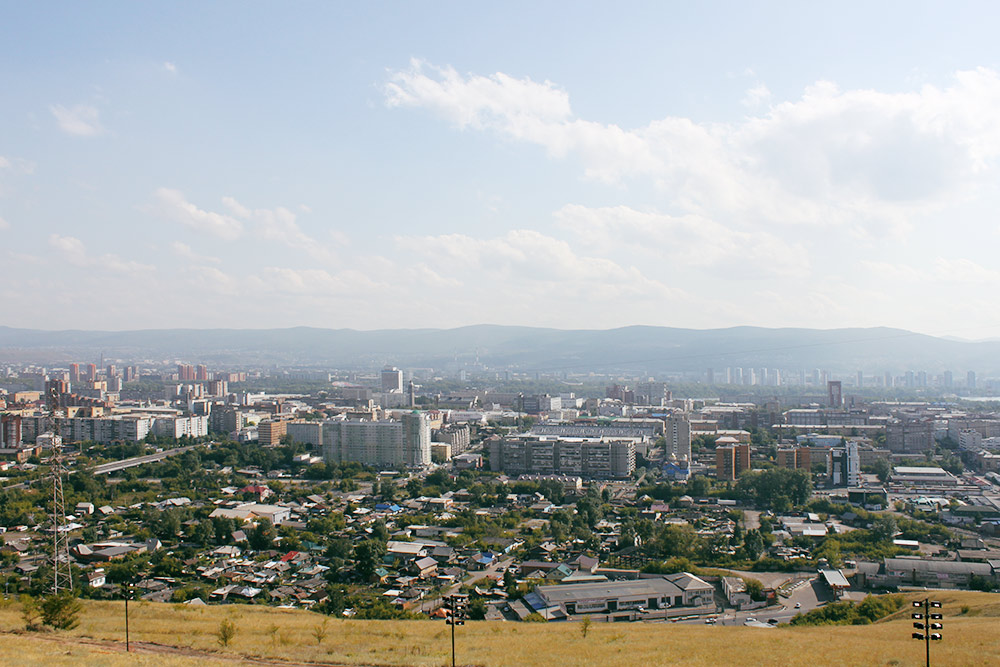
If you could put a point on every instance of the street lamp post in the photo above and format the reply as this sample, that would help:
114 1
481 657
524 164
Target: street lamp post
457 606
927 621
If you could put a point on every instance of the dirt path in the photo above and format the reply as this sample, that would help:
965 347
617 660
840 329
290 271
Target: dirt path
174 651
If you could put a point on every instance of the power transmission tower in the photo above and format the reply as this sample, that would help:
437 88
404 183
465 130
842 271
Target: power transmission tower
62 574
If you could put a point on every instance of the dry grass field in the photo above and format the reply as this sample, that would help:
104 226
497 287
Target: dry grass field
178 634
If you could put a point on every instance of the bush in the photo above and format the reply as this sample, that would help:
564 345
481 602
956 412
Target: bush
871 609
227 630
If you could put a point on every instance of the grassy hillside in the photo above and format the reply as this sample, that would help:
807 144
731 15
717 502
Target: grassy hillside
272 636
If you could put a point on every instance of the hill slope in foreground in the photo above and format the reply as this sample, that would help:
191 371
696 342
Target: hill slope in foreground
181 635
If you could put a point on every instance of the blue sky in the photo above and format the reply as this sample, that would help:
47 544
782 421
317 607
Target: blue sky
578 165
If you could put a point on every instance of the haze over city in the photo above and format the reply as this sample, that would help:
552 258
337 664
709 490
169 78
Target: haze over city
393 165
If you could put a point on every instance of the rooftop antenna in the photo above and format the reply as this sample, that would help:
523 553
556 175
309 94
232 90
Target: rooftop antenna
62 575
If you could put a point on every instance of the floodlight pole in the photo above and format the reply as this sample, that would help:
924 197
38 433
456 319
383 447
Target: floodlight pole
927 623
127 648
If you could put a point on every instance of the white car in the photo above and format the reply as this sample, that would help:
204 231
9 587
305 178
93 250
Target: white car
798 605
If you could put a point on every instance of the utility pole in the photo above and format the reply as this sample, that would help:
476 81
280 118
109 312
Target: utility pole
457 605
925 621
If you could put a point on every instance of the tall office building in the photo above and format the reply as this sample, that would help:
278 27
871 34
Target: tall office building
74 373
970 380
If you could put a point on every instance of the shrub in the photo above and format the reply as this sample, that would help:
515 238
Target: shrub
227 630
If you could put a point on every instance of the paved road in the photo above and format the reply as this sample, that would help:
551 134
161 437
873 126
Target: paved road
114 466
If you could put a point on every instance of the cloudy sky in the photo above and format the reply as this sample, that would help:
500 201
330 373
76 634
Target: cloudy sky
576 165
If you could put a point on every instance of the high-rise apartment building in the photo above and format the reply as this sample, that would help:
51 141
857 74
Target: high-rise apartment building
596 459
385 443
844 465
677 433
795 457
731 460
270 431
835 395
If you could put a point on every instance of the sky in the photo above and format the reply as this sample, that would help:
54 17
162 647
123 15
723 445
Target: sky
440 164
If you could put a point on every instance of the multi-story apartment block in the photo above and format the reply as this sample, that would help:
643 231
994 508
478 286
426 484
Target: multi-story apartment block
383 443
195 426
102 430
677 433
909 436
795 457
308 432
270 431
596 459
731 460
459 436
392 379
844 465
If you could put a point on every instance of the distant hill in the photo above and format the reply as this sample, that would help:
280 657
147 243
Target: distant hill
636 348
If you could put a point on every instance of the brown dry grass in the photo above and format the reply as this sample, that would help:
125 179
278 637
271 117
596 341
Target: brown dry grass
970 639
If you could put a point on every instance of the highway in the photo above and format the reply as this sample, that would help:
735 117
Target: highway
115 466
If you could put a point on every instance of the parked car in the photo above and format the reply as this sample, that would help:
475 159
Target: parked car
798 605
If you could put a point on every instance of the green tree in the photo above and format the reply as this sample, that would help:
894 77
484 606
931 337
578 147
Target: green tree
884 528
262 535
61 611
882 470
753 544
368 557
755 589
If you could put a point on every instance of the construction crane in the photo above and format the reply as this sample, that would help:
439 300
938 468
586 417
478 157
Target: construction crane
62 574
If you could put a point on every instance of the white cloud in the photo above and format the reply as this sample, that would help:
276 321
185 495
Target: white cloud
81 120
185 251
4 162
859 159
173 204
689 241
756 96
4 224
170 67
525 261
280 224
75 253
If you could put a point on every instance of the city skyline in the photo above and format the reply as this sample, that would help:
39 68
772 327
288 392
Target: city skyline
396 166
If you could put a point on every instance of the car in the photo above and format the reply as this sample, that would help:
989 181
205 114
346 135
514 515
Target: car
710 621
751 619
772 621
798 605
